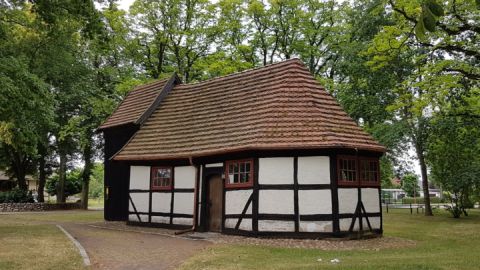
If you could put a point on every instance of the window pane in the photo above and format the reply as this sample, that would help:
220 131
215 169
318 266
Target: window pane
235 168
247 166
243 178
230 177
235 178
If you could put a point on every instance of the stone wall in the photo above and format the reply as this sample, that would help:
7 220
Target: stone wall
30 207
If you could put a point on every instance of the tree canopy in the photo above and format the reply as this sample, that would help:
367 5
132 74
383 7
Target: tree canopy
407 71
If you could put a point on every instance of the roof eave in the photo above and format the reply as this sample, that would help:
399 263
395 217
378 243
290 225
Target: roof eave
378 149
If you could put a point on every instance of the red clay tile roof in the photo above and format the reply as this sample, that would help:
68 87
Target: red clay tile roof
135 104
280 106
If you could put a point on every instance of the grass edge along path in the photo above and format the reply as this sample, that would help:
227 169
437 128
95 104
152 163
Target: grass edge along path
37 247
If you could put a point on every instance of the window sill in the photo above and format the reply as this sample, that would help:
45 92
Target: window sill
161 188
240 185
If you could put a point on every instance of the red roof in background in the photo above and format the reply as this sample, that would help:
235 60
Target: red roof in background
280 106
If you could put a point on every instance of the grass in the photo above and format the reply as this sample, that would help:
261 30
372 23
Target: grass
32 241
95 202
442 243
54 217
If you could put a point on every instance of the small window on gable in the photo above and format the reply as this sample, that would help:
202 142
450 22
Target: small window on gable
239 173
347 170
161 178
369 171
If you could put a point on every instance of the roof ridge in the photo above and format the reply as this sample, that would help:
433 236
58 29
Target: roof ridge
144 85
295 59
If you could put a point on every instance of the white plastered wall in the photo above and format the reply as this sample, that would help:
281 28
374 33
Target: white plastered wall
159 219
314 202
374 222
140 200
314 170
347 200
161 202
182 221
371 200
245 225
183 203
133 217
277 170
316 226
276 226
346 222
140 177
184 177
235 201
276 202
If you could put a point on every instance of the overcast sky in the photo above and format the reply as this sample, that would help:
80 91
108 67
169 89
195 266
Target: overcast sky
125 4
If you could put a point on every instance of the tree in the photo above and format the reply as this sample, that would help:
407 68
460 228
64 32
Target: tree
453 156
19 129
410 185
442 60
180 32
61 64
72 184
96 181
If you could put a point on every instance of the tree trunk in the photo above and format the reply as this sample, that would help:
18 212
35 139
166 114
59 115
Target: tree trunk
21 180
84 197
87 171
18 164
426 192
41 178
61 177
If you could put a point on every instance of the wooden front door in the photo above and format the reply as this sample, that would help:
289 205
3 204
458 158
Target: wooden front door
215 198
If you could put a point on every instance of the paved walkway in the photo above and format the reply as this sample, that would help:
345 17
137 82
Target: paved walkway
112 249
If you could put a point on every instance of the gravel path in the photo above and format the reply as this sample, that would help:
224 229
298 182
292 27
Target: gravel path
114 249
323 244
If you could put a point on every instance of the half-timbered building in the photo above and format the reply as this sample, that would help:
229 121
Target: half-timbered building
263 152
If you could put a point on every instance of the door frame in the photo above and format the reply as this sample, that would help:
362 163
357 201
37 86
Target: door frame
208 173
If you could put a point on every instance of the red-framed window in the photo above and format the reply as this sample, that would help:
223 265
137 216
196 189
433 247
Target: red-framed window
239 173
161 178
347 170
369 171
356 171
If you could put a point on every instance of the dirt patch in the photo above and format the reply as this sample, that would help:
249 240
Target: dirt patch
322 244
366 244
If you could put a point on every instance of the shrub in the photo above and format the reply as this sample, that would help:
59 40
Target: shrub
16 195
73 184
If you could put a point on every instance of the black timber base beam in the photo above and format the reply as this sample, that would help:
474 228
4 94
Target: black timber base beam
306 235
159 225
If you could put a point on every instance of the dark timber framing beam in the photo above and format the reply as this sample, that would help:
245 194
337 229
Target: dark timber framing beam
255 197
334 192
295 194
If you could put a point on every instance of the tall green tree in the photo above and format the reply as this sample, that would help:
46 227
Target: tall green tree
26 104
440 39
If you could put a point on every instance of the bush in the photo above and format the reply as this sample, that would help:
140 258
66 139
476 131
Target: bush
73 184
16 195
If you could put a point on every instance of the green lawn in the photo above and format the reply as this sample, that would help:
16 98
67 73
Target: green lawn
95 202
442 243
32 241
